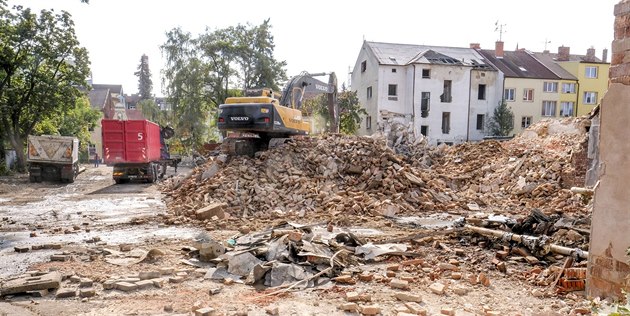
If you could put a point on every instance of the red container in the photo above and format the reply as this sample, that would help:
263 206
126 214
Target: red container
132 141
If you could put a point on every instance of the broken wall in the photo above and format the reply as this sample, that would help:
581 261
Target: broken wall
608 268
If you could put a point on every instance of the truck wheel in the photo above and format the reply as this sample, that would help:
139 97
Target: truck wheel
118 181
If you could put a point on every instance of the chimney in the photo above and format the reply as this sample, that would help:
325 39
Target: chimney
475 45
605 55
498 49
563 53
590 54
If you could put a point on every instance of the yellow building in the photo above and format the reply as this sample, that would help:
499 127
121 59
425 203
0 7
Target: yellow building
532 89
591 73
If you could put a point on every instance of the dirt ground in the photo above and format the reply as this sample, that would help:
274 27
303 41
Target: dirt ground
94 214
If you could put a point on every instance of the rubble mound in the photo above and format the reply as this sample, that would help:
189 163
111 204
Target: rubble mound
352 175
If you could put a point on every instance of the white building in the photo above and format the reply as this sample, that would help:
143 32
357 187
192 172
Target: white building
445 93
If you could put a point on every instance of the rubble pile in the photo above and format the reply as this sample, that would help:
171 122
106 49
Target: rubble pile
356 175
353 175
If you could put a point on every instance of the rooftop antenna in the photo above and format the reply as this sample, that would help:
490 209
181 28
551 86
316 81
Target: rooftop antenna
547 42
499 28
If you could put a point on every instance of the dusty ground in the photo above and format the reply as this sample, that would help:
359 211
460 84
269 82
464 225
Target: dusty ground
73 215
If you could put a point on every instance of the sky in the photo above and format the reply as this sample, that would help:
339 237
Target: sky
326 35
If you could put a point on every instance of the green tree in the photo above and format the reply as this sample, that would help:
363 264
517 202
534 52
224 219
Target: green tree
42 69
502 121
350 111
202 71
145 84
77 121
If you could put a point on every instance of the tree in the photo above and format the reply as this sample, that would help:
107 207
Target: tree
145 84
502 121
202 71
350 111
42 69
77 121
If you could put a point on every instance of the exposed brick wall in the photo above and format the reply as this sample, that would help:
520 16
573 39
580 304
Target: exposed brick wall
579 162
608 270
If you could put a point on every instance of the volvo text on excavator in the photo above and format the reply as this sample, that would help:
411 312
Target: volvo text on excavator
253 123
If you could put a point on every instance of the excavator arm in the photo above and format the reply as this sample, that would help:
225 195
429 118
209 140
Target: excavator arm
306 84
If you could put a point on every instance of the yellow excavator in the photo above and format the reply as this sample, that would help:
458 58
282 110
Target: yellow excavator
254 123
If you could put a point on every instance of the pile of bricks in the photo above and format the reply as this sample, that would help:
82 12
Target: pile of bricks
335 174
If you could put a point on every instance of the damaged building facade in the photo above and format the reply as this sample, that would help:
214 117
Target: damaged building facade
608 268
448 94
443 93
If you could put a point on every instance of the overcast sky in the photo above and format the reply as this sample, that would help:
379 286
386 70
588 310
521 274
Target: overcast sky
324 35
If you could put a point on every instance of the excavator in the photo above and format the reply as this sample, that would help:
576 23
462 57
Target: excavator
254 123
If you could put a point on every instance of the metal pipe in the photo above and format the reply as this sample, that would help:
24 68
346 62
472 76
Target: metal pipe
519 238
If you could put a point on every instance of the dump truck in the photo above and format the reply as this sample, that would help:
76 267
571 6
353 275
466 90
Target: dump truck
136 150
51 157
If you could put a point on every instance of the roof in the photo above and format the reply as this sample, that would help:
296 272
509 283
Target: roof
114 88
550 63
519 64
404 54
578 58
98 98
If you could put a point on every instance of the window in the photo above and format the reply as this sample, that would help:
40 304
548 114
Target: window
526 121
528 94
509 94
568 88
590 97
549 108
446 95
481 92
392 93
369 92
550 86
391 90
446 122
424 130
363 66
368 122
426 73
393 69
425 104
590 72
566 108
481 118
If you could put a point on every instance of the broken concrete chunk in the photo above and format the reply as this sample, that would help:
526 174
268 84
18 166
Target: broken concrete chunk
144 284
65 293
145 275
214 209
46 281
89 292
21 249
126 286
206 311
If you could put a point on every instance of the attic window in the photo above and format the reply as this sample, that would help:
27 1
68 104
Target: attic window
522 69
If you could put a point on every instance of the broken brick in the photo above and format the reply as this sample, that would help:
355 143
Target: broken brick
408 297
370 310
399 284
437 288
345 279
349 307
447 311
